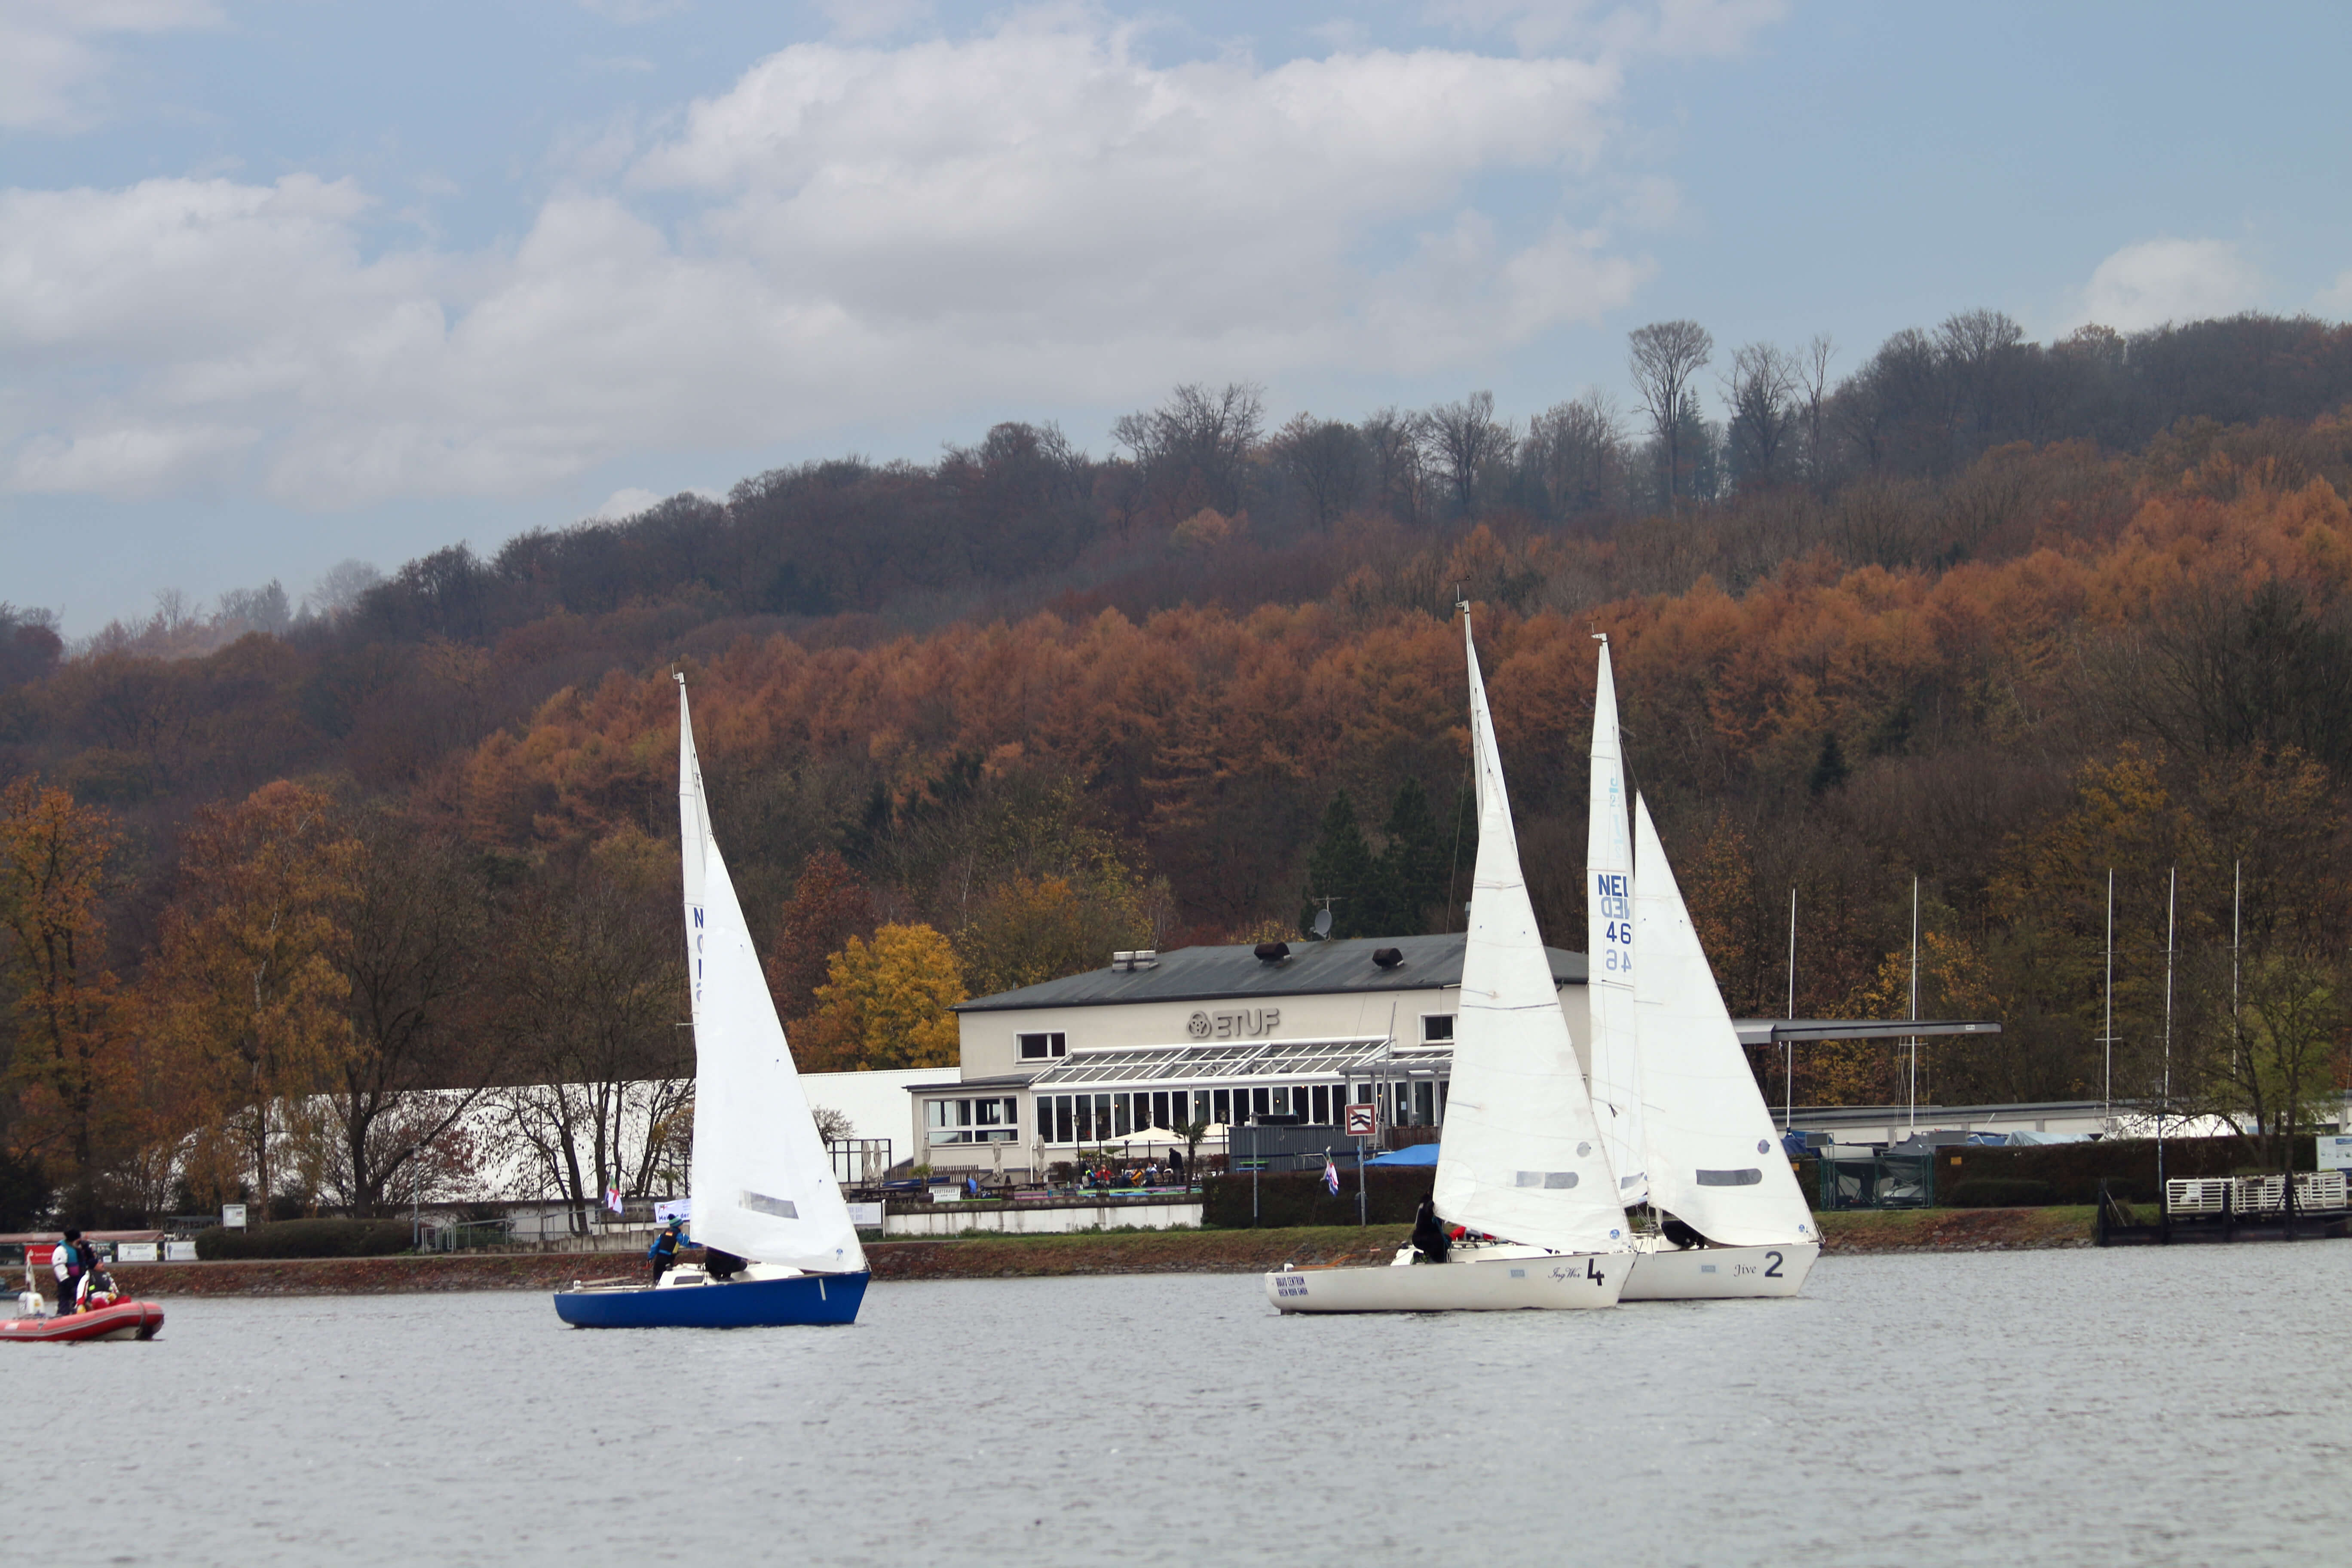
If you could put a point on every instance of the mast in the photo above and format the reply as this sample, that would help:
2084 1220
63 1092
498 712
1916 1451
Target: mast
2108 1038
1788 1046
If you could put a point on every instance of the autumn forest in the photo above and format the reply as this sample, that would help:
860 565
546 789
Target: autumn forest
1999 616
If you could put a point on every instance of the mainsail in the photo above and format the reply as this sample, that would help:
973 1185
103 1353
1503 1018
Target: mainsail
1609 942
761 1181
1714 1155
1521 1158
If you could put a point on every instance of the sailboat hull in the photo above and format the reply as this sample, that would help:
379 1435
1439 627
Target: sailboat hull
1552 1282
1721 1273
799 1299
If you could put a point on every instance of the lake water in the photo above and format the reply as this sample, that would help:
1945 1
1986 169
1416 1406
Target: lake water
2142 1406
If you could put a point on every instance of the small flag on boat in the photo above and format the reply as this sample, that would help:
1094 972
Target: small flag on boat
613 1199
1330 1175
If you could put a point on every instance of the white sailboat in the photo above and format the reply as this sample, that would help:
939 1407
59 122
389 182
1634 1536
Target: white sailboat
766 1205
1522 1157
1739 1224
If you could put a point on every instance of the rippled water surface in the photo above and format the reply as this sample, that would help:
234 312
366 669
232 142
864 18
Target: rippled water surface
2056 1407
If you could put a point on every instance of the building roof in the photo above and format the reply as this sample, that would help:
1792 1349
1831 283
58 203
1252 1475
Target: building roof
1237 974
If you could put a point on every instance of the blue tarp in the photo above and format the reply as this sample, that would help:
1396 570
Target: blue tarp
1419 1154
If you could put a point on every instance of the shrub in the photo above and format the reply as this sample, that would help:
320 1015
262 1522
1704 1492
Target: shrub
306 1238
1999 1193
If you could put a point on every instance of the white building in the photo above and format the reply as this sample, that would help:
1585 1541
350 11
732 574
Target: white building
1221 1034
1233 1035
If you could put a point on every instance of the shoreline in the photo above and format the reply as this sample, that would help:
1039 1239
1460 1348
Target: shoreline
1040 1257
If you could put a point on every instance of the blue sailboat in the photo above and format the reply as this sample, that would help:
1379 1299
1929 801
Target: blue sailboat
765 1202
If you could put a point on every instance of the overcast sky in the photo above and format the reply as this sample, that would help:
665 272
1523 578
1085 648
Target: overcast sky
289 281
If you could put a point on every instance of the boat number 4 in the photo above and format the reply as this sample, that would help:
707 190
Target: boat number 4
1592 1272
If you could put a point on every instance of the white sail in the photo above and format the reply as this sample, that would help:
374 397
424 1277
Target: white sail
1609 947
693 832
1521 1158
1714 1155
761 1179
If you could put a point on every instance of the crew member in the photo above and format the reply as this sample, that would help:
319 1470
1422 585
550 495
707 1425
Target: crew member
1429 1243
97 1289
70 1262
664 1251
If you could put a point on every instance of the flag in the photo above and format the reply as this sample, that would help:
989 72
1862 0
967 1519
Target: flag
613 1199
1330 1175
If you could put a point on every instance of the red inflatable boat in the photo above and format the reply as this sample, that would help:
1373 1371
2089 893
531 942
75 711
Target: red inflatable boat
123 1320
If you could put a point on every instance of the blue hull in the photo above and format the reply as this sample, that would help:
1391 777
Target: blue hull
746 1304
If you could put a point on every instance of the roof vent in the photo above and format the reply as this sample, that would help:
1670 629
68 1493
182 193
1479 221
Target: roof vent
1272 951
1142 958
1388 957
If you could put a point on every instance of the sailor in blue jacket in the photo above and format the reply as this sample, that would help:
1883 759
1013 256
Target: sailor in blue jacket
664 1251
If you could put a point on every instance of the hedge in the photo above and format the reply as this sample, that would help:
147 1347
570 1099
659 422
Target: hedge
2071 1172
306 1238
1298 1197
1997 1192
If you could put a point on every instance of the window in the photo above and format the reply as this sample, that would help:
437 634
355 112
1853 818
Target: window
1322 1106
992 1120
1223 1101
1038 1047
1435 1028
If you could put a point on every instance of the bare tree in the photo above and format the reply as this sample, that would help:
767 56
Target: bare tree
1192 448
1327 460
1392 439
1761 391
1665 356
1575 452
412 953
1464 438
1813 388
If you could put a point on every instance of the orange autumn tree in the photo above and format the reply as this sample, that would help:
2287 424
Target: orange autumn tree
245 989
886 1004
68 1059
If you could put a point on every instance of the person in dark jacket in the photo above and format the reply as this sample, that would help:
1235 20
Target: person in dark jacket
1429 1241
664 1251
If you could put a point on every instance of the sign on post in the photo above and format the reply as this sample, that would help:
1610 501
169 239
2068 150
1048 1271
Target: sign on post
232 1217
1362 1121
2334 1153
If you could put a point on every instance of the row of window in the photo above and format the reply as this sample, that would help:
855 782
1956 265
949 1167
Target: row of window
1094 1118
1435 1028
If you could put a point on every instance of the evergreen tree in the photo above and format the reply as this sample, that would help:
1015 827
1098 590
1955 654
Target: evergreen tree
1414 867
1341 869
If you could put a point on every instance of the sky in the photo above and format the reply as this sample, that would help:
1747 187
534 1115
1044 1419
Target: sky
289 282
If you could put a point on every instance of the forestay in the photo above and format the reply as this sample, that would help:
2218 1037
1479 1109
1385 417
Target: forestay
1608 940
762 1183
1714 1155
1521 1158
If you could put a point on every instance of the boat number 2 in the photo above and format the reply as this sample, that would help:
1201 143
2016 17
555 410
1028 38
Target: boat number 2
1773 1272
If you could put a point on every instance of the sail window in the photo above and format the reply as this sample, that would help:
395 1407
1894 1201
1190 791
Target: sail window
1553 1179
761 1203
1746 1178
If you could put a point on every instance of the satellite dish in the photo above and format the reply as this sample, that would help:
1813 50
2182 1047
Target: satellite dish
1323 921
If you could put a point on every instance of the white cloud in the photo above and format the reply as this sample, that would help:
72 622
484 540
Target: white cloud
1035 214
51 58
625 503
1669 27
2153 281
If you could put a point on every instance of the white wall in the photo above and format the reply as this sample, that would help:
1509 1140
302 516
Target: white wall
876 1103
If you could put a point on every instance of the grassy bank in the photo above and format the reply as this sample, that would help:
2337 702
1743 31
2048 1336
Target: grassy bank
992 1257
